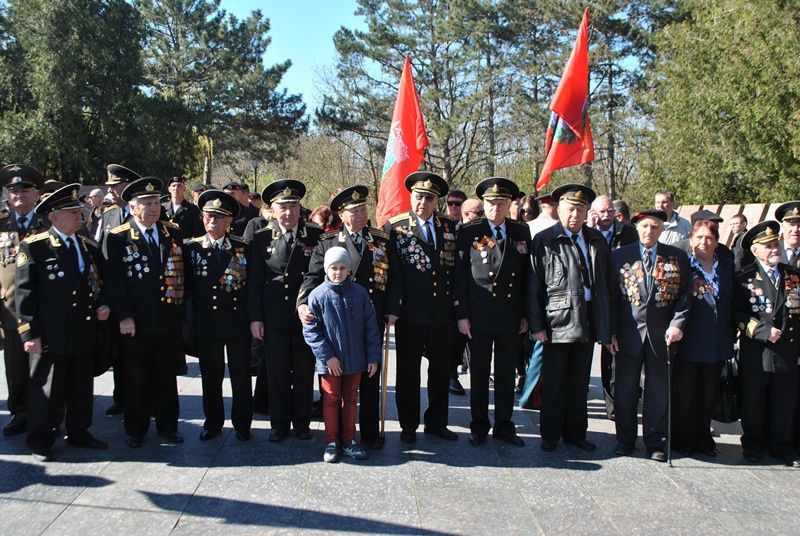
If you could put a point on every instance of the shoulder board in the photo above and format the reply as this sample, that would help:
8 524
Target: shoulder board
120 228
399 218
106 211
472 223
4 215
170 224
329 234
37 237
516 222
378 232
312 225
262 230
88 240
197 240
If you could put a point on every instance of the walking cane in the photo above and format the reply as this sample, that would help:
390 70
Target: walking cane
384 378
670 357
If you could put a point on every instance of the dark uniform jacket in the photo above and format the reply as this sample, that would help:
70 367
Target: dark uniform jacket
376 268
111 219
637 314
55 300
239 224
252 226
555 292
758 307
9 246
490 276
187 217
141 285
426 273
218 288
276 273
622 234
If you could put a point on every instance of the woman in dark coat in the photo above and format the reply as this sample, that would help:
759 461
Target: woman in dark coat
707 343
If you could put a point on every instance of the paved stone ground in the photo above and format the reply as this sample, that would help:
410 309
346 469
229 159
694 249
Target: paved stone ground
432 487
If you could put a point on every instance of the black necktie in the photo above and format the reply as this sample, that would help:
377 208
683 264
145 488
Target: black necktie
357 241
773 276
218 252
498 233
429 233
21 225
289 238
582 260
151 242
647 262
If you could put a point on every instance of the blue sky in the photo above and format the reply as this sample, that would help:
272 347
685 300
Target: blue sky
302 31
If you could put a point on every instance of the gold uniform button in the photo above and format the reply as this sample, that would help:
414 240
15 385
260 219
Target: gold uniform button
370 291
74 304
494 294
163 299
161 277
791 329
434 272
74 292
214 287
494 284
88 318
434 294
286 274
235 309
434 283
286 298
285 286
510 285
448 292
512 274
215 307
509 295
213 297
370 280
234 299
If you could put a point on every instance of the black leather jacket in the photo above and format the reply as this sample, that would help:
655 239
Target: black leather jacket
556 302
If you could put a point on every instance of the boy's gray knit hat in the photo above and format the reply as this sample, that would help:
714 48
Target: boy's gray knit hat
336 254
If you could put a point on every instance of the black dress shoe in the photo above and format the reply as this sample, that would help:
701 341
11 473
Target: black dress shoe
243 435
789 460
583 445
171 437
114 409
511 438
548 445
751 456
711 453
276 436
135 441
88 441
476 440
658 455
206 435
43 455
305 435
375 444
456 388
408 435
441 432
624 449
15 427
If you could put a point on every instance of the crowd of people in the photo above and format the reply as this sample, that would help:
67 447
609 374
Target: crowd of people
525 287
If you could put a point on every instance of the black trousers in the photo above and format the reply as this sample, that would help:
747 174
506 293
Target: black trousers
57 381
369 397
411 341
797 415
290 371
768 401
212 370
505 353
693 396
626 397
261 393
607 378
119 380
18 373
457 347
150 382
566 368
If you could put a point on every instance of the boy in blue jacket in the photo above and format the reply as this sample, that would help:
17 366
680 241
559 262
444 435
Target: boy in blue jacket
345 342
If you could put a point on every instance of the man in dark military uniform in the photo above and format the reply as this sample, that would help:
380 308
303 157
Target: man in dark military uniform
145 284
217 281
491 267
280 254
58 288
568 312
181 212
425 244
21 221
374 267
241 192
198 189
766 307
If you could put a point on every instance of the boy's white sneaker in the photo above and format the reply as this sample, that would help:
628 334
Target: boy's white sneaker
331 453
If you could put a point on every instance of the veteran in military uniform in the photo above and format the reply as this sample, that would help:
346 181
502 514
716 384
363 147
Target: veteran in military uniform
491 267
425 244
766 307
241 192
374 267
217 282
280 255
145 276
181 212
58 291
650 301
21 221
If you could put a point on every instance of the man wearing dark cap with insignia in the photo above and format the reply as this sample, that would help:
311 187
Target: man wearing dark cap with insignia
568 312
145 282
255 200
216 278
425 244
20 221
181 212
766 308
492 263
373 265
197 189
650 301
119 177
280 256
59 303
241 192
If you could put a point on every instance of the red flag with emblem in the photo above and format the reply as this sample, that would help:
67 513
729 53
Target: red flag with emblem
404 149
569 136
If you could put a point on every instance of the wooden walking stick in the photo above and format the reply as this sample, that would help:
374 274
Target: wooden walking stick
384 379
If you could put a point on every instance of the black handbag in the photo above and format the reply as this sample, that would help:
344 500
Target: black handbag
728 406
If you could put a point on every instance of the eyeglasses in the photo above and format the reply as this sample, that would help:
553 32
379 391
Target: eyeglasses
213 216
454 202
526 211
420 197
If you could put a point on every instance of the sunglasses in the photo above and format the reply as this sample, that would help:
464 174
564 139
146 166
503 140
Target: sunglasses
526 211
420 197
454 203
213 216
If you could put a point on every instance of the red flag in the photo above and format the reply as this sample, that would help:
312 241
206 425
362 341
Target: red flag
569 137
404 150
